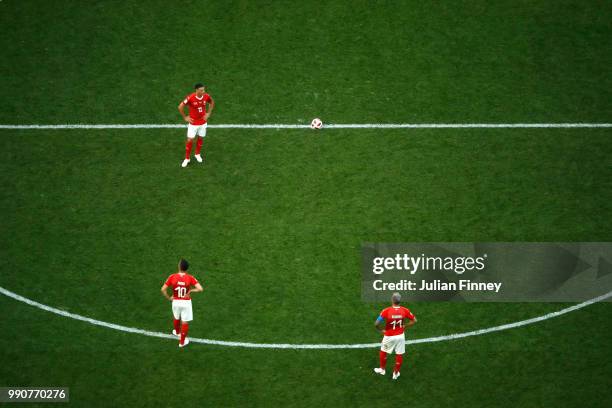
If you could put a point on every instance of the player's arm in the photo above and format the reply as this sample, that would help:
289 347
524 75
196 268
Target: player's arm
197 288
164 291
211 106
181 109
379 324
411 322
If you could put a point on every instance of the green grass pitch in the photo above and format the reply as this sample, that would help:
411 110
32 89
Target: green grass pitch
93 221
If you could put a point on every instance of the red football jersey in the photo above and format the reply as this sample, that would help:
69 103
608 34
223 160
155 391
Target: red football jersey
197 107
394 319
180 284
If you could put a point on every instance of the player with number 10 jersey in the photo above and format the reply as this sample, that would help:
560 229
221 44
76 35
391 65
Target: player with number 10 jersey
182 285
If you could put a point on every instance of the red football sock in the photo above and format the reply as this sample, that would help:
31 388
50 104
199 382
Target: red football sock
188 147
177 325
398 362
383 359
199 145
184 332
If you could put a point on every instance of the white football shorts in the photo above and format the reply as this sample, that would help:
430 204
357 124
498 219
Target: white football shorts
193 130
181 309
397 343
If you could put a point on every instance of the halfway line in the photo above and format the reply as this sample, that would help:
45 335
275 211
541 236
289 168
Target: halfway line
328 126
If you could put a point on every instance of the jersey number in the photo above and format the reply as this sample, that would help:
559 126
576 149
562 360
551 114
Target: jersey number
181 292
200 109
396 322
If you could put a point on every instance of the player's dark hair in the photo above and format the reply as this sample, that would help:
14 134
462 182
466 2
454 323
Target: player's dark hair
198 85
184 265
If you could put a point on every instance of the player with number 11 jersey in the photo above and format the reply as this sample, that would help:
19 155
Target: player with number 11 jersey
394 319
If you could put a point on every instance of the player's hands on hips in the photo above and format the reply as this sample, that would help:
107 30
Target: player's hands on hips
206 116
188 119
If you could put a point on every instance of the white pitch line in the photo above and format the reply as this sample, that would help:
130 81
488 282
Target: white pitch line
328 126
299 346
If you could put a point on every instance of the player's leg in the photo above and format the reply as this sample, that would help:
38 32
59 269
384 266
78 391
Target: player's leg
177 327
191 134
383 360
186 317
184 330
201 134
399 358
177 319
198 149
385 348
400 348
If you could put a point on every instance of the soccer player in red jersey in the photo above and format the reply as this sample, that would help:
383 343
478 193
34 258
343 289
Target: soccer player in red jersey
394 318
198 116
182 285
